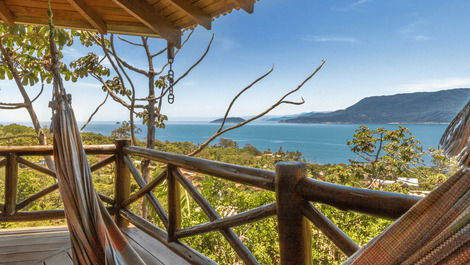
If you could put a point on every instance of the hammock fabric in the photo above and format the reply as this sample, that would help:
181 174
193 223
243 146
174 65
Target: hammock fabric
455 140
95 238
434 231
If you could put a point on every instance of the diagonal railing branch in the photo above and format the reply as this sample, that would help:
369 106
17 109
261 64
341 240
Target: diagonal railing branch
249 216
36 167
103 163
106 198
149 187
334 233
242 251
150 196
36 196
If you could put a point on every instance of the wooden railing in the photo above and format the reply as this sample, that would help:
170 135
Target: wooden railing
293 208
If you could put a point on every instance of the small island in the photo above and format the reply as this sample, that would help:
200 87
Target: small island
229 120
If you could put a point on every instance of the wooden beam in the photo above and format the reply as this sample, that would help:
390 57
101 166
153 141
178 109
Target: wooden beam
90 15
247 5
251 176
41 150
39 215
195 12
6 15
374 202
295 239
174 204
122 182
150 16
11 184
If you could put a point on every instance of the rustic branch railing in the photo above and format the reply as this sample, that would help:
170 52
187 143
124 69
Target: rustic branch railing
294 192
11 211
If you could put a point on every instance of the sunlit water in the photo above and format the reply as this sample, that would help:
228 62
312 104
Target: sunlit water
320 143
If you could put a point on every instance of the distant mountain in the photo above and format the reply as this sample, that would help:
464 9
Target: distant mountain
282 117
420 107
229 120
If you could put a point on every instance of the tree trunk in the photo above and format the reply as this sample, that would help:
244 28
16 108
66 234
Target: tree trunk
151 121
28 104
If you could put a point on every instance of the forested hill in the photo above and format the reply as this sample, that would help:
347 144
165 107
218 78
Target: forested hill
420 107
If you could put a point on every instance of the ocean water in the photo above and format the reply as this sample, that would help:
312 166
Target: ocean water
319 143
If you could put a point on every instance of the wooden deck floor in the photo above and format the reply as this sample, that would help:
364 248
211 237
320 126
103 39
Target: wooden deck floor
51 246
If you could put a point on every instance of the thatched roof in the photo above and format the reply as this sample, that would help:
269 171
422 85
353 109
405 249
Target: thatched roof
163 18
455 140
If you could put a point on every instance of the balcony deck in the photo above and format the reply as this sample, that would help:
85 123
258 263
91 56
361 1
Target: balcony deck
51 246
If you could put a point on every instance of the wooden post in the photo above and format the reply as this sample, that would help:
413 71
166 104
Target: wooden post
122 185
11 184
174 206
294 229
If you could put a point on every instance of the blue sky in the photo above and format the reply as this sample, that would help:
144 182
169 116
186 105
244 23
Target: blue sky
372 47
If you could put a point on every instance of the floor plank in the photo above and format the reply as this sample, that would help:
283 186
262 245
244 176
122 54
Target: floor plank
51 246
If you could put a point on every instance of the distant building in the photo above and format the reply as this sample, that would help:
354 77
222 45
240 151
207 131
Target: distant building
407 181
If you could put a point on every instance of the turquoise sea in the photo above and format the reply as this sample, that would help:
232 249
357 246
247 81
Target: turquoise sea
320 143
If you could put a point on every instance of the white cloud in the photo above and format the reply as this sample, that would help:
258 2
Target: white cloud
359 3
353 5
434 84
331 39
414 31
72 52
225 42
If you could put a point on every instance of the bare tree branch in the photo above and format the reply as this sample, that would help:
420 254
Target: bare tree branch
94 112
132 98
129 42
182 45
209 45
18 106
130 67
39 94
275 105
197 62
239 94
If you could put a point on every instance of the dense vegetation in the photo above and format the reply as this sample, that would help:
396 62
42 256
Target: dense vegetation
380 155
419 107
